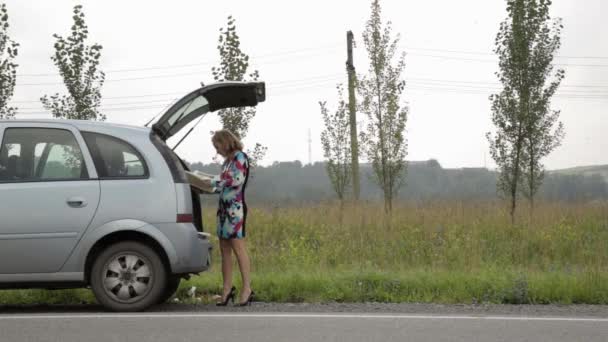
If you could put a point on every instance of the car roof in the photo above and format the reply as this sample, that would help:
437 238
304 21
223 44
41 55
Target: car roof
87 125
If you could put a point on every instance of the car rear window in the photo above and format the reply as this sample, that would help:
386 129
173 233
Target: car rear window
115 158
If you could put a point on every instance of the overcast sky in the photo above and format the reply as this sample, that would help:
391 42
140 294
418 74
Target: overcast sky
299 48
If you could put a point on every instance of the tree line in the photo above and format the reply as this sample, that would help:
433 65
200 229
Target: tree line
293 183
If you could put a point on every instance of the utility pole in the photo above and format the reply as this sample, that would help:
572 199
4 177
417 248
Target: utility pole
309 147
352 106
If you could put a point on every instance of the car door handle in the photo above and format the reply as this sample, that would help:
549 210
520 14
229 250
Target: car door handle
77 202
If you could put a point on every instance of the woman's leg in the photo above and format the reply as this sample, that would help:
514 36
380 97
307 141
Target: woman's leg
226 249
240 249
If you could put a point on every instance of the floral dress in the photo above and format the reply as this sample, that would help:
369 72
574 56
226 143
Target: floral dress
232 209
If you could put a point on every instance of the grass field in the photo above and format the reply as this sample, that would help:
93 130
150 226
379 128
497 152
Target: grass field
451 252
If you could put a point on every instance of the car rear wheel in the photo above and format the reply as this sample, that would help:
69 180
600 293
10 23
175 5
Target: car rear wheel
128 276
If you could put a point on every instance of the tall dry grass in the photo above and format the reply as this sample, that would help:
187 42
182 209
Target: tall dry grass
458 236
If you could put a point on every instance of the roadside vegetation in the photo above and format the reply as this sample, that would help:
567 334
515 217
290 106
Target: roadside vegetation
443 252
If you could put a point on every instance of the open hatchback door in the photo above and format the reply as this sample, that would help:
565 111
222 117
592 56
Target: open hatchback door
196 104
207 99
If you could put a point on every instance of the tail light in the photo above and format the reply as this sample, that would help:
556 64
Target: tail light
185 218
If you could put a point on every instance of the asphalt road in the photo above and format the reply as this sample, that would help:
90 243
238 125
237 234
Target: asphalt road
293 323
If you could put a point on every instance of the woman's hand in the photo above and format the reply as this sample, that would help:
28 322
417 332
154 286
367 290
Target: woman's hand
206 182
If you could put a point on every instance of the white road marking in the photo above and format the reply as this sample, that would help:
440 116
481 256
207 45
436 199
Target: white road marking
297 315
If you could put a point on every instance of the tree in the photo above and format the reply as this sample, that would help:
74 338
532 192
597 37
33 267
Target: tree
543 131
8 68
234 64
525 126
384 142
78 66
336 145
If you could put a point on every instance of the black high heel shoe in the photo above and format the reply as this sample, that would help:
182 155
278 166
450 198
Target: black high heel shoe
249 299
229 297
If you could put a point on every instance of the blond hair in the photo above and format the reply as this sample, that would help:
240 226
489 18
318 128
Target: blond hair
228 141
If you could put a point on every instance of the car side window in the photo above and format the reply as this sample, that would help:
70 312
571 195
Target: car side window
39 154
115 158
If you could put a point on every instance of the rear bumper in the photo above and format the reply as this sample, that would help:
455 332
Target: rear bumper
192 248
199 258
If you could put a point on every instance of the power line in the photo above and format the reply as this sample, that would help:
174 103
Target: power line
135 79
103 109
115 80
318 79
205 63
326 79
498 88
496 61
192 73
421 88
311 82
489 92
493 86
480 53
321 77
282 84
125 70
497 83
465 89
113 104
337 45
315 81
116 97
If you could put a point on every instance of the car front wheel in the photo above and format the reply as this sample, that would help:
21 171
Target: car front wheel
128 276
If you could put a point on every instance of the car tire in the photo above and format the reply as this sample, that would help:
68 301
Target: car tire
128 276
170 289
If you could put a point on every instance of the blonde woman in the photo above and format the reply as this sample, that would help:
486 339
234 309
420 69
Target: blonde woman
232 214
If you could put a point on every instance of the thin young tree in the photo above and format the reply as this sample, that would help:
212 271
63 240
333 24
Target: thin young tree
234 66
335 139
8 67
384 141
544 131
78 65
526 129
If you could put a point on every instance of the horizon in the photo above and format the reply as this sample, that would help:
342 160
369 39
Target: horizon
267 165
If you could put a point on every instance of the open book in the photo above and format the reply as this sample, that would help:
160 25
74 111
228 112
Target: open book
200 180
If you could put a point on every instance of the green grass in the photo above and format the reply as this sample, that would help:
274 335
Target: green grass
452 252
421 286
487 286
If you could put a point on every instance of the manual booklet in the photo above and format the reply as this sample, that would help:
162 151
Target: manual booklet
200 180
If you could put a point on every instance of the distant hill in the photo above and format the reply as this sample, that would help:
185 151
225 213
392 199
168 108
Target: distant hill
591 170
294 182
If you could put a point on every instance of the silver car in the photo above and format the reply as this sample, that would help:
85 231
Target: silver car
105 206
